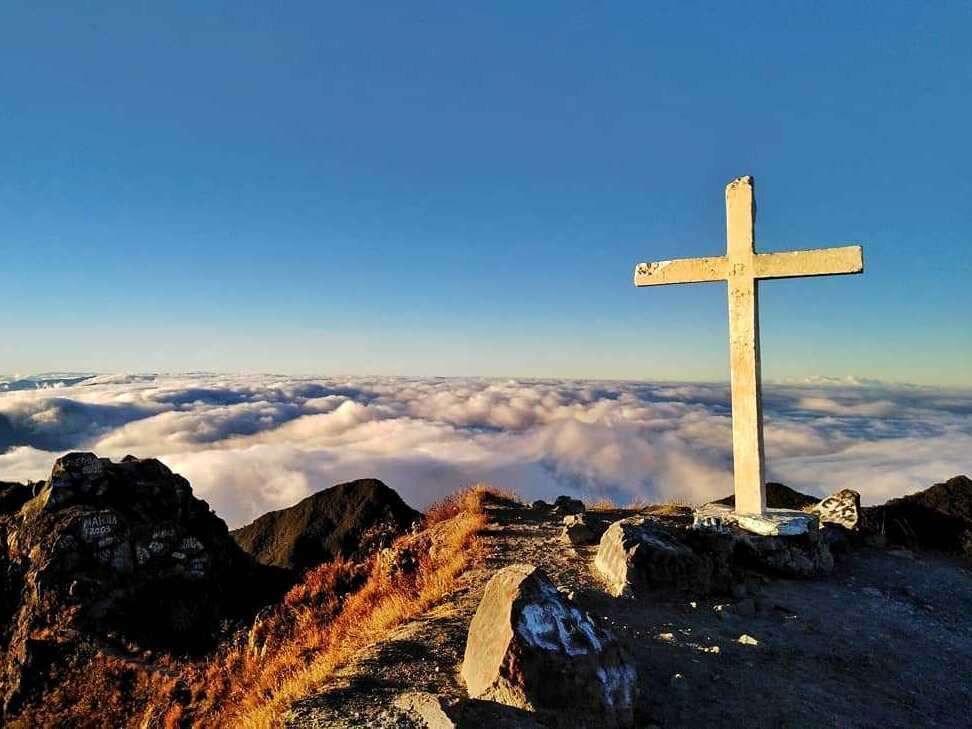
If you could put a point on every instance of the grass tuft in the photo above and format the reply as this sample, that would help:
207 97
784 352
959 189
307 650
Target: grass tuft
335 611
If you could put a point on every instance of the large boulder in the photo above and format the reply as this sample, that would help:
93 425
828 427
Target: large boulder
530 647
115 549
644 554
640 554
351 520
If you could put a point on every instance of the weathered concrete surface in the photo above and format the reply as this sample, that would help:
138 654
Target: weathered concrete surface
771 523
747 405
742 268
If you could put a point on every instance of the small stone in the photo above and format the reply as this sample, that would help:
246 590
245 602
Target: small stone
747 640
666 636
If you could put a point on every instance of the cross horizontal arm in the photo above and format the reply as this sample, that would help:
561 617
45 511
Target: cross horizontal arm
818 262
681 270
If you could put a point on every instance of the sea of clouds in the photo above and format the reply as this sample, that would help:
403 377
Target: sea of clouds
251 444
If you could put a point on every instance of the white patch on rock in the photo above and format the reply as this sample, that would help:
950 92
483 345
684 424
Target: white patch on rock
527 640
842 508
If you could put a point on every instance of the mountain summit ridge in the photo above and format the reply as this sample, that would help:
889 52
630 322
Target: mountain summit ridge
350 520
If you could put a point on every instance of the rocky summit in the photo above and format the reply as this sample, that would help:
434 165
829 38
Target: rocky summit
715 626
351 520
125 595
107 549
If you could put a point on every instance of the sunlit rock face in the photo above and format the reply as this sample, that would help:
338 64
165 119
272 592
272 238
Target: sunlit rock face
115 549
637 555
530 647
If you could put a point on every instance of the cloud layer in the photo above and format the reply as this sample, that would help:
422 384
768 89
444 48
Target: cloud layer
250 444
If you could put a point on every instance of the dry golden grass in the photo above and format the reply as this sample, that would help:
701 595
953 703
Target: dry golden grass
669 506
101 689
290 650
668 509
337 610
603 504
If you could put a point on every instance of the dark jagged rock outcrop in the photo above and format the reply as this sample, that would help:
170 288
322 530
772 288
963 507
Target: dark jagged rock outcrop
954 497
778 496
351 520
13 496
113 551
940 517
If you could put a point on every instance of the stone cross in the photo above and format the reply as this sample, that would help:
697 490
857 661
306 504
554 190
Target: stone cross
742 267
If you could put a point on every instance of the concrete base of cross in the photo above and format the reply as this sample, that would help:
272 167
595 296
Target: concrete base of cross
773 523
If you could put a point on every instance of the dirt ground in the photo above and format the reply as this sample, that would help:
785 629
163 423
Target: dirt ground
885 641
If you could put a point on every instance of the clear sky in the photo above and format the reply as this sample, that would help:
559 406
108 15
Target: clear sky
463 189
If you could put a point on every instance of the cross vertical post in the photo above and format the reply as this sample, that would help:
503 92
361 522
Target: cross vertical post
744 367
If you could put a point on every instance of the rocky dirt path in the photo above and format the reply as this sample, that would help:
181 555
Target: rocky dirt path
885 641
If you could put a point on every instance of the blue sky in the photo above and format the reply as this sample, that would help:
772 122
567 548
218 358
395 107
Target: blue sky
443 189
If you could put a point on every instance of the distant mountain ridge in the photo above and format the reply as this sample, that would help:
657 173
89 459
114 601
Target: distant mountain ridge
350 520
42 381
